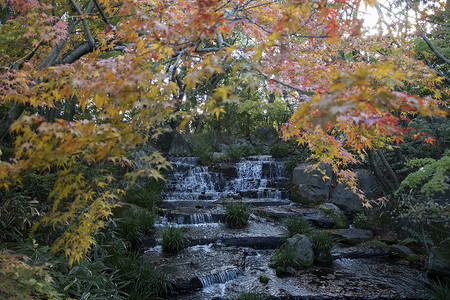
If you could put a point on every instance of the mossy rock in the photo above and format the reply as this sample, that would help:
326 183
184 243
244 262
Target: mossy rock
439 259
379 243
399 251
413 257
296 197
340 220
264 279
352 236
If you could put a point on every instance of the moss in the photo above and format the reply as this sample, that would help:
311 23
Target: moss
413 257
379 243
264 279
297 198
339 222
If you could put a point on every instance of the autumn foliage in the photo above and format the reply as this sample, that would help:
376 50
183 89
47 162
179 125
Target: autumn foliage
94 80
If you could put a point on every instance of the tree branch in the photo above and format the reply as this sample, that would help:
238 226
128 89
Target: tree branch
430 45
100 11
89 37
81 50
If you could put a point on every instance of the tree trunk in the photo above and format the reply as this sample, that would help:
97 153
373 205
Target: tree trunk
13 114
389 169
387 187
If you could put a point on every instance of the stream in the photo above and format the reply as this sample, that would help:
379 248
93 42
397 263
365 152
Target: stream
222 263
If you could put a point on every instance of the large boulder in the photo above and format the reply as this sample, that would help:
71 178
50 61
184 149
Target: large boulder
353 236
346 199
265 136
179 145
311 187
340 220
399 251
173 143
299 247
439 260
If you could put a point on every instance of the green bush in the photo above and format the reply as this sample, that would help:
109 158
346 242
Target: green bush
279 150
142 280
203 146
297 225
236 152
286 257
361 221
147 196
237 214
133 225
173 239
322 241
264 279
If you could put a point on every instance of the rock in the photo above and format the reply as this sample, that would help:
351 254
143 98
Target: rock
340 220
319 219
346 199
298 247
265 136
353 236
290 271
165 140
179 145
439 260
138 155
309 186
264 279
323 256
173 142
399 251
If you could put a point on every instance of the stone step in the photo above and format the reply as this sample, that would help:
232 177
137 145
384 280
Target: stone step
258 235
213 203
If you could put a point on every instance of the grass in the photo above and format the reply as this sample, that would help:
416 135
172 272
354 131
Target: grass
439 290
322 241
297 225
236 152
173 239
237 214
286 257
133 225
147 196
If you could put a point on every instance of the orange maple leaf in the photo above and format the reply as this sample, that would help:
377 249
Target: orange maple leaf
430 140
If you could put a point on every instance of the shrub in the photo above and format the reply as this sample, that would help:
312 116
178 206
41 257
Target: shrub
439 290
279 150
173 239
147 196
286 257
322 241
264 279
203 146
133 225
259 150
236 152
143 280
361 221
237 214
297 224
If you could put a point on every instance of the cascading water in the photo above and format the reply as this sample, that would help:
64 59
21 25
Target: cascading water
221 277
254 177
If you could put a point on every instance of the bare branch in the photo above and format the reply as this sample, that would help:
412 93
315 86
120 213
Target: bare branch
430 45
100 11
89 37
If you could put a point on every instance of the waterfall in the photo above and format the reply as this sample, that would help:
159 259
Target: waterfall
221 277
253 177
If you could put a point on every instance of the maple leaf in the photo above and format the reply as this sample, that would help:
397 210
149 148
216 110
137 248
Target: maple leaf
430 140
